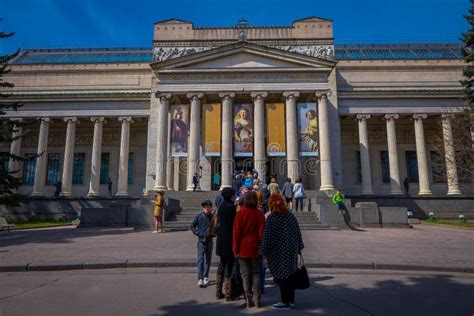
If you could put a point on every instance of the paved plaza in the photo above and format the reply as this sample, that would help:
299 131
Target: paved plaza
423 247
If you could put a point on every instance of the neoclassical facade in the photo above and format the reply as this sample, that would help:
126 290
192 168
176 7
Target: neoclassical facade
284 101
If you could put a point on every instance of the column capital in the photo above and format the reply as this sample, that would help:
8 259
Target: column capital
125 119
363 117
45 119
291 94
192 95
98 119
447 116
417 116
71 119
225 95
160 95
389 117
323 94
258 94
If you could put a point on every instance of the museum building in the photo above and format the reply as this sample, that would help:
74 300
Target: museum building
286 101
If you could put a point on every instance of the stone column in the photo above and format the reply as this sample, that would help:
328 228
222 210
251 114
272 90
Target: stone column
227 128
15 149
421 157
259 132
292 135
364 154
42 160
327 178
169 159
393 154
194 138
450 155
94 184
68 156
162 141
122 183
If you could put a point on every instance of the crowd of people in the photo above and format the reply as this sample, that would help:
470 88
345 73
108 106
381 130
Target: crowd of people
254 228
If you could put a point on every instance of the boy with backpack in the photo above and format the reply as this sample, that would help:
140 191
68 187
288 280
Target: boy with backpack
200 228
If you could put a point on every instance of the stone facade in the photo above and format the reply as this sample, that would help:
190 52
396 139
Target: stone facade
366 107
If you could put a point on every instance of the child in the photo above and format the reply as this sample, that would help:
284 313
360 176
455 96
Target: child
338 199
200 228
158 212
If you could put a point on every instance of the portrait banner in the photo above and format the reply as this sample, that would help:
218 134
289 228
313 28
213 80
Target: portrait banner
243 130
276 140
308 129
179 130
212 129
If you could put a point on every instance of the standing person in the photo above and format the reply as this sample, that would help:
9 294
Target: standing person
59 188
266 196
216 180
406 185
299 194
287 192
109 186
273 186
281 244
200 228
248 230
195 182
248 180
338 199
236 182
158 203
226 215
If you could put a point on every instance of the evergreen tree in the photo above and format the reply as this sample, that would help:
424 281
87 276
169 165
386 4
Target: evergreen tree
10 179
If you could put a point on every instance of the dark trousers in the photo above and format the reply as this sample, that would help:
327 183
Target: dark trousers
250 275
225 267
263 271
287 292
341 207
204 250
299 202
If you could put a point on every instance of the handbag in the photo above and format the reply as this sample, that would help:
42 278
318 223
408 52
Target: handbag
300 279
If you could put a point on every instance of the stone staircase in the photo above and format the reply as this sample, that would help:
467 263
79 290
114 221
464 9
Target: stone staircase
182 207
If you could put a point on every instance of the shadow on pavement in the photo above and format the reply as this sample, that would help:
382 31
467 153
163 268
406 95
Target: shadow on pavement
414 295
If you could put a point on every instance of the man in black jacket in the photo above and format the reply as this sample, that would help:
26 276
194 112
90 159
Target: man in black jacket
200 228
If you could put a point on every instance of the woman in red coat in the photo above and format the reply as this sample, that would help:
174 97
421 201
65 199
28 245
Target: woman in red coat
248 231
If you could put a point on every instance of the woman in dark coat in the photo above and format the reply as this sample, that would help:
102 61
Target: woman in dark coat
281 244
226 215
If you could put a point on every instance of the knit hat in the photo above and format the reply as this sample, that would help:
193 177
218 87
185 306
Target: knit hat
227 193
206 202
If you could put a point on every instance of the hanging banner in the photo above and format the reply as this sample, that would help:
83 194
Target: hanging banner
276 144
212 129
308 129
179 130
243 130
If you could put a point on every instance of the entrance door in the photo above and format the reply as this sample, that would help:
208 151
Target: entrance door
244 164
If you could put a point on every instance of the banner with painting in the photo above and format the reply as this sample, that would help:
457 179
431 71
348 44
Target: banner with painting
179 130
308 129
276 145
243 129
212 129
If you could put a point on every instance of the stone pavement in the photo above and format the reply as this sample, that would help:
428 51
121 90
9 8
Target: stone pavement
424 247
174 292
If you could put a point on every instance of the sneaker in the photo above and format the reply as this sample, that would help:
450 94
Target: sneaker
154 232
281 306
205 282
200 283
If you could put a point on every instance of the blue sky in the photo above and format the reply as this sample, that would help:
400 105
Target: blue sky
117 23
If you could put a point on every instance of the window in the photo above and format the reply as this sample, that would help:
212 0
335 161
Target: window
358 168
54 167
29 167
412 166
104 168
78 168
438 168
385 165
130 167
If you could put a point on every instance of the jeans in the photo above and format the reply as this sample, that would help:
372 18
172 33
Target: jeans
262 271
287 292
341 207
204 250
299 202
250 273
225 267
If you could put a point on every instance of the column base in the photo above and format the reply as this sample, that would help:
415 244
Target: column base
396 193
426 192
170 189
190 189
224 186
65 194
122 194
160 188
454 192
93 194
327 187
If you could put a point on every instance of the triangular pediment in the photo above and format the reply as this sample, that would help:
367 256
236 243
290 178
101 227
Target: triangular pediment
244 55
